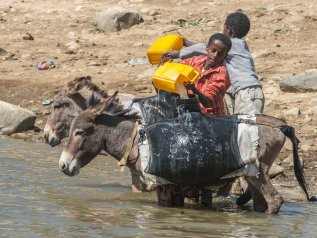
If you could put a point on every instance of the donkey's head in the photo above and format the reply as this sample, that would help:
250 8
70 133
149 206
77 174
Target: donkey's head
67 105
91 132
65 108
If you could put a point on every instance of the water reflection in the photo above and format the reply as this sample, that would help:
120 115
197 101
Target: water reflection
39 201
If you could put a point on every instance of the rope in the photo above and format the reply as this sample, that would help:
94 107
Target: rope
123 162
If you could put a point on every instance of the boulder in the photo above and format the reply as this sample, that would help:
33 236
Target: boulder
116 18
295 112
15 119
302 82
275 170
2 51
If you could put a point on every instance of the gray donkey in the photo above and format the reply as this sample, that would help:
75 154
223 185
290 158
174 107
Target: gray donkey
67 104
106 126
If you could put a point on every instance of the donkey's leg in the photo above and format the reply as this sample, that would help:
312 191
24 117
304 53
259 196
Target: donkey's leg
169 195
206 197
259 202
264 186
192 197
271 141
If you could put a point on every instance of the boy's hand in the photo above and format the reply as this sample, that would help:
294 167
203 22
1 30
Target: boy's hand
164 59
189 86
173 54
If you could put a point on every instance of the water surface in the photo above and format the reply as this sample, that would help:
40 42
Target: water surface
37 200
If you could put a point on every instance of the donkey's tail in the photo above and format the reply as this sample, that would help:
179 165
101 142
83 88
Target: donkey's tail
298 169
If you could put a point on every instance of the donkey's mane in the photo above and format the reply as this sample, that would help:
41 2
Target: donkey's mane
97 94
115 107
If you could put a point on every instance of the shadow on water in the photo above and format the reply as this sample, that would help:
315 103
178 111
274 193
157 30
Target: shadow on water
37 200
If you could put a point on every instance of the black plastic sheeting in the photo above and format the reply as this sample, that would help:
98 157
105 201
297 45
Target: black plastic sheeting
193 148
188 147
164 106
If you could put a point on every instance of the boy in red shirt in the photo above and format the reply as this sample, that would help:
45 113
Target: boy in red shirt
213 80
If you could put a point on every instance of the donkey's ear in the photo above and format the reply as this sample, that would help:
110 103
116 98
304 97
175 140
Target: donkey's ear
103 105
88 79
77 84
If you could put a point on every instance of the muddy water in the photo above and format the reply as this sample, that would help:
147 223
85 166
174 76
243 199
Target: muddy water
38 201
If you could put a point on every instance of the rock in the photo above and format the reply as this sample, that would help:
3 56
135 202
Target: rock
211 23
140 88
271 91
78 8
302 82
313 102
312 111
268 102
72 47
146 74
72 36
238 186
19 136
138 61
307 119
305 142
15 119
305 148
270 82
261 54
138 44
116 18
145 10
2 51
292 112
28 36
26 56
288 145
40 122
94 63
10 57
275 170
271 7
290 162
154 13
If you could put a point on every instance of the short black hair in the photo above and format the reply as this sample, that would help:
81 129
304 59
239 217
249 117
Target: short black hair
239 23
223 38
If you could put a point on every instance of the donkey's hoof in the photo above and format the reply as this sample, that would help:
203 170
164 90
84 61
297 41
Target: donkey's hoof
313 199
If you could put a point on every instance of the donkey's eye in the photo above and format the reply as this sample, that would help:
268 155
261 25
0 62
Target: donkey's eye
79 132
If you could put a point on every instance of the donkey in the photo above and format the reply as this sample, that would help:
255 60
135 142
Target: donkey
106 126
67 104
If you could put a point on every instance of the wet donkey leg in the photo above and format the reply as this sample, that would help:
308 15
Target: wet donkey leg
170 195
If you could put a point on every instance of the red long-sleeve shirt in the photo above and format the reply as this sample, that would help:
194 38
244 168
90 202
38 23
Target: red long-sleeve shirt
213 83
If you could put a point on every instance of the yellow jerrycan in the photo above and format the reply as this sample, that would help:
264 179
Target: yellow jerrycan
162 45
171 76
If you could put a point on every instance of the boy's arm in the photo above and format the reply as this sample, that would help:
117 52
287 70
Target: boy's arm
193 50
215 87
202 98
186 52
